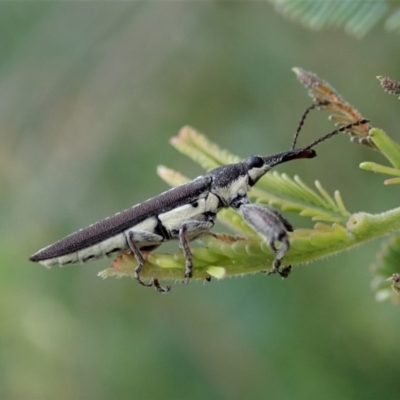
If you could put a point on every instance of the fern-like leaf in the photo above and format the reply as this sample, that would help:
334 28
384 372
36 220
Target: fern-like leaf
355 16
278 190
391 150
227 255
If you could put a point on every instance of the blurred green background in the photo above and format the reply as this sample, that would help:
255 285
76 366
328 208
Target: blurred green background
90 94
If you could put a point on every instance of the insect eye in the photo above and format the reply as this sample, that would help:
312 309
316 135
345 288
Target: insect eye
255 162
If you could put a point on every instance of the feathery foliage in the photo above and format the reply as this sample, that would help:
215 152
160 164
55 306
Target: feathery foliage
356 17
335 230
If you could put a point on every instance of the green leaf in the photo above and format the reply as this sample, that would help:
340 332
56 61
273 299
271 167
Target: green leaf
278 190
356 17
391 150
388 147
226 255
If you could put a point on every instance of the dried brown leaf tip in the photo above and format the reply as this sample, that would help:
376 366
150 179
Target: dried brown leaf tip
226 238
342 113
391 86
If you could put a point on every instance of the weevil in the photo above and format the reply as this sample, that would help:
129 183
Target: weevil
185 213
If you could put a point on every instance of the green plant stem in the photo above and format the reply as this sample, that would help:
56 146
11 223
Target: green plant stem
228 255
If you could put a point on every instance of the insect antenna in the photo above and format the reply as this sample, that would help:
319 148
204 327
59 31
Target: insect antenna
303 118
336 131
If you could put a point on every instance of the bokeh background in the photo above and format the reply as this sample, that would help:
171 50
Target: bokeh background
90 94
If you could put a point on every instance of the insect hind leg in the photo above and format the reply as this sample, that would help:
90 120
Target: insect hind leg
130 238
279 254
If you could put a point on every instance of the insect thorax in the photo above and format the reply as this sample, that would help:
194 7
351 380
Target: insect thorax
230 183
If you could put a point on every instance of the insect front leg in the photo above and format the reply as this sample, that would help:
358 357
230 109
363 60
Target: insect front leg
190 230
134 237
271 225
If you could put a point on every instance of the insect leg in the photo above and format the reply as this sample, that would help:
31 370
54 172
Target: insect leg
184 243
279 254
271 225
139 258
193 229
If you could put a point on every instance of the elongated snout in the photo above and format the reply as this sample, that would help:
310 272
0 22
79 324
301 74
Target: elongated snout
283 157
